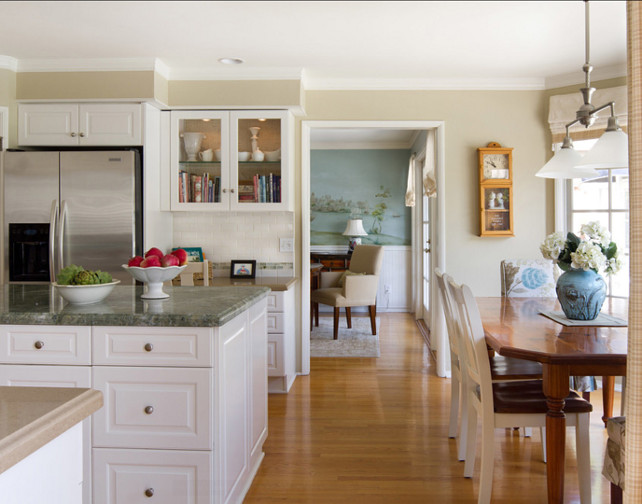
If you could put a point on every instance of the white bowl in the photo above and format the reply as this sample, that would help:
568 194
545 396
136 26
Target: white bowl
153 278
244 156
85 294
273 156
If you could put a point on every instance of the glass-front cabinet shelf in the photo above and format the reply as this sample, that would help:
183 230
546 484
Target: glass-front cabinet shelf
229 160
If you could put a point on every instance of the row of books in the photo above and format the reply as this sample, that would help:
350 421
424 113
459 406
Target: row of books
194 188
204 188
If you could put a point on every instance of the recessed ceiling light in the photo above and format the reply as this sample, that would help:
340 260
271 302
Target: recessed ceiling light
230 61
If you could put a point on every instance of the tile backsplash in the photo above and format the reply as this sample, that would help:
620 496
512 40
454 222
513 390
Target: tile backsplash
238 235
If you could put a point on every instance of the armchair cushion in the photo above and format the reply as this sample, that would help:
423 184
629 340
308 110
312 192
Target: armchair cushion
359 290
528 278
342 279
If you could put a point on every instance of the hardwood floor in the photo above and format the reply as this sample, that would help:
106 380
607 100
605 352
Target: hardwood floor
376 431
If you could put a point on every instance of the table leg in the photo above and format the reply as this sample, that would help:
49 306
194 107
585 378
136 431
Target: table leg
556 389
608 388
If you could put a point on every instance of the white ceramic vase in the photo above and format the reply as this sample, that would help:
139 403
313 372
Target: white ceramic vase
192 143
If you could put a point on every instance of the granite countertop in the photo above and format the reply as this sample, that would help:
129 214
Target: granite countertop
40 304
30 417
274 283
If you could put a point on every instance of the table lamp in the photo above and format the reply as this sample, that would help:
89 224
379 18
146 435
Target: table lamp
355 231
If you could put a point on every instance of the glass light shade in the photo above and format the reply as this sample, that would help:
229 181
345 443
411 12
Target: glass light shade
355 228
611 151
563 165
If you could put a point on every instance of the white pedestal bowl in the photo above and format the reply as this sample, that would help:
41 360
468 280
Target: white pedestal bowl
153 278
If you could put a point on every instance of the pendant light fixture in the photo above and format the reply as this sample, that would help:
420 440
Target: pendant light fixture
610 151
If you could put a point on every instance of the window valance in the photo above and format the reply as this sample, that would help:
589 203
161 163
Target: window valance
562 109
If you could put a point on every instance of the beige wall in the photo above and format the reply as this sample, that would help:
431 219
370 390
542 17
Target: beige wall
8 99
472 119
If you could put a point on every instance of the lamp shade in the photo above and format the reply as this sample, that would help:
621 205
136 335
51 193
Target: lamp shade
611 151
563 165
355 228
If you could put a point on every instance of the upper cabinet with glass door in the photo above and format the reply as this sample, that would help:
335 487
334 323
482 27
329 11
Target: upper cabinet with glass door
230 160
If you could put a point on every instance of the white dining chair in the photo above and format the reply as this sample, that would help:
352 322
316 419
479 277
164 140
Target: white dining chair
507 404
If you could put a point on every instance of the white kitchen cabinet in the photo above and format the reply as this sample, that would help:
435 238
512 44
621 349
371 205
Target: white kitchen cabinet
53 473
87 124
158 476
214 163
280 349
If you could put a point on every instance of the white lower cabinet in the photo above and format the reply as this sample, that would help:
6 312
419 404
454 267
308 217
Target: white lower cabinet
280 347
185 409
157 476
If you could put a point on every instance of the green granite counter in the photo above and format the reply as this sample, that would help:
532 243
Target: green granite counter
29 304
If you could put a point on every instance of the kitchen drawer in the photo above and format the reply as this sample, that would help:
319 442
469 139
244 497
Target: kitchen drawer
275 355
170 477
157 346
275 322
165 408
45 376
21 344
275 301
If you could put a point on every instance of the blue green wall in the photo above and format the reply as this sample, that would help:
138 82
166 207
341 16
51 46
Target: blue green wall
366 184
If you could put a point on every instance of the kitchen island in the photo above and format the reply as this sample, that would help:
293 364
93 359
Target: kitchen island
184 382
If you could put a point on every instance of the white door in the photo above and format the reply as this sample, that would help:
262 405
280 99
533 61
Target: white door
426 259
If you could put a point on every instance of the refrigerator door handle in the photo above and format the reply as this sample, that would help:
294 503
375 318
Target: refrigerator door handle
53 216
61 232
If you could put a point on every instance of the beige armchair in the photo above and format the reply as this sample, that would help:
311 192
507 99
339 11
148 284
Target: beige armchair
355 287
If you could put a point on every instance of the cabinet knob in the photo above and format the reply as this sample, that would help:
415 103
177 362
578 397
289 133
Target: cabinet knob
149 492
224 191
73 134
81 134
231 190
149 347
149 409
39 344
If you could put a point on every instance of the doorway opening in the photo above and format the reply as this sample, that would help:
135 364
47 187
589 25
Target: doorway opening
316 132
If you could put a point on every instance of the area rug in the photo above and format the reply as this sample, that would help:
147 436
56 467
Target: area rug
356 342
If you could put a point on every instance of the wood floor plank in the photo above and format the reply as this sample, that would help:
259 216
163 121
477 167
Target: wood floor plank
376 431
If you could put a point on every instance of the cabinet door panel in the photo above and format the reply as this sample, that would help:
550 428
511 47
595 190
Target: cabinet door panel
153 408
158 476
48 124
110 124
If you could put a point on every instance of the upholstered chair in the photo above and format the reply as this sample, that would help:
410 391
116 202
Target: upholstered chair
356 286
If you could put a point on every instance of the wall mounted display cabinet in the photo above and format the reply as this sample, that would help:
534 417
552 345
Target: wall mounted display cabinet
73 124
496 190
236 160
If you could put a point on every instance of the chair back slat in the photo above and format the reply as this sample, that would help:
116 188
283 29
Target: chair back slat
452 326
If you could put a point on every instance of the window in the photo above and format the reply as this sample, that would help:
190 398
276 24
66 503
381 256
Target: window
604 198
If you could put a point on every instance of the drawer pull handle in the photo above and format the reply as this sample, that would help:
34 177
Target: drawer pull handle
149 492
39 344
149 347
149 410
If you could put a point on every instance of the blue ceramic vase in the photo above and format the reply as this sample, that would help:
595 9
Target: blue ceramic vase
581 294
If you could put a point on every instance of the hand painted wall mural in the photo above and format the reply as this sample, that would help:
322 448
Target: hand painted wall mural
359 184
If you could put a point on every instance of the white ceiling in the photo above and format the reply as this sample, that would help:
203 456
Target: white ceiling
365 44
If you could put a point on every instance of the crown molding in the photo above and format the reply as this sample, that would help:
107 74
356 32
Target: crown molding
437 84
8 63
374 145
573 78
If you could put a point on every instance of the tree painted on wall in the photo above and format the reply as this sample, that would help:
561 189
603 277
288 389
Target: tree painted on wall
379 212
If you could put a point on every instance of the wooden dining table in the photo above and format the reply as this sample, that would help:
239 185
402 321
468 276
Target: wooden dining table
515 327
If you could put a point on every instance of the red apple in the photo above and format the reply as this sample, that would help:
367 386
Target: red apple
169 260
135 261
150 262
182 256
154 252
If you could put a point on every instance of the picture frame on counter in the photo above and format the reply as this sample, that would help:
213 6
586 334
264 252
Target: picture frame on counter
194 254
243 268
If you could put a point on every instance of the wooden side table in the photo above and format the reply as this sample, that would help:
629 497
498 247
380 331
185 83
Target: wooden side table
331 261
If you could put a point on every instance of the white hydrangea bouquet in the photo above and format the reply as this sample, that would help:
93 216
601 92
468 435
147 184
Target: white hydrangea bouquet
591 250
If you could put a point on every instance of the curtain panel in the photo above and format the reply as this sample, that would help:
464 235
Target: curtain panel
562 109
633 463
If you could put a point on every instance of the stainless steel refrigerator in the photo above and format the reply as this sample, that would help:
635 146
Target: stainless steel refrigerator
70 207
